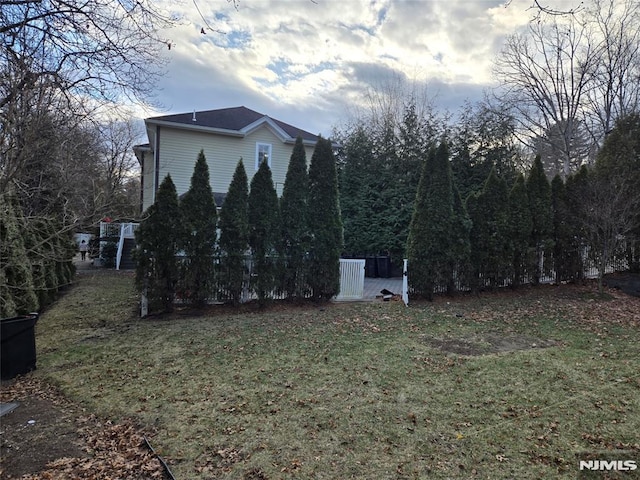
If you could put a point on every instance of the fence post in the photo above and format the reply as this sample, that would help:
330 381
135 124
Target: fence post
144 300
405 282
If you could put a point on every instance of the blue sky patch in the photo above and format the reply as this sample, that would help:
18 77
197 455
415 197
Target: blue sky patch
236 39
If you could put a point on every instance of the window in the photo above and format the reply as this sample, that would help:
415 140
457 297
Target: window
263 154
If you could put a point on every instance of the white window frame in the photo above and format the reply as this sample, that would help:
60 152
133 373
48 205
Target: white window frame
269 147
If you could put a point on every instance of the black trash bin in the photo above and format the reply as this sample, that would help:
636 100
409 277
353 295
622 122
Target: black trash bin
370 267
384 266
17 345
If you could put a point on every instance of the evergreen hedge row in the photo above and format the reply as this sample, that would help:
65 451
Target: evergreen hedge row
533 230
36 253
260 252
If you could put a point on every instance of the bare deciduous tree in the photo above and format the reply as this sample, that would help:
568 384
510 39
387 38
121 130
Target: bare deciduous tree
607 216
117 166
61 61
569 77
545 74
615 91
97 48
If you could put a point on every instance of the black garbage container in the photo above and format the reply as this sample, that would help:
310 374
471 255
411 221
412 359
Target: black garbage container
370 267
17 345
384 266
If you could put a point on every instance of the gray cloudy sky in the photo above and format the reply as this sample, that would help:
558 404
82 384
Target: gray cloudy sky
306 61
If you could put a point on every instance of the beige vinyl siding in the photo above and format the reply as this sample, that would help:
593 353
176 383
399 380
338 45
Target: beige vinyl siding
179 150
280 155
147 179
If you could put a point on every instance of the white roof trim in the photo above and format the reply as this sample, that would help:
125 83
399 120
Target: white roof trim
284 136
197 128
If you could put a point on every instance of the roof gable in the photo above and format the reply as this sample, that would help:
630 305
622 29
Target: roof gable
233 121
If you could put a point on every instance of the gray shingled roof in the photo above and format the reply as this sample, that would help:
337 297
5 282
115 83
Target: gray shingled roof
235 119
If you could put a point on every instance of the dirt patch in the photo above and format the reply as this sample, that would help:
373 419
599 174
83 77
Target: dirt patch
47 436
488 344
34 434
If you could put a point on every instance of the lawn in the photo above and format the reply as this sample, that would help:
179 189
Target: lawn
509 385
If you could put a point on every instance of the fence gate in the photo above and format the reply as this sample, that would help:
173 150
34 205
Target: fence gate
351 279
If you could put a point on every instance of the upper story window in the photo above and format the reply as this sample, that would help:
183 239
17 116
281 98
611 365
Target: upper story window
263 154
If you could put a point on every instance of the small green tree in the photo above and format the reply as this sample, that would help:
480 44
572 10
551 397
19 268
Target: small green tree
264 228
199 220
234 234
460 242
325 223
430 248
157 240
567 255
490 243
576 189
539 195
520 229
294 243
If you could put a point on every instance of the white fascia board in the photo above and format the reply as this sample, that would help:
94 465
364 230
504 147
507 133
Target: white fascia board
151 134
140 150
284 136
197 128
306 143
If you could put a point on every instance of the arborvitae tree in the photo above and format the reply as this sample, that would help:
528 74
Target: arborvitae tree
490 246
380 166
539 194
50 253
264 228
483 139
65 248
463 168
520 229
157 240
381 227
356 193
234 234
618 164
620 154
38 242
17 291
199 220
421 277
325 223
430 245
576 188
404 176
567 262
294 243
370 160
607 202
460 242
469 169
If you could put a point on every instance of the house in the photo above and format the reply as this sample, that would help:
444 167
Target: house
225 136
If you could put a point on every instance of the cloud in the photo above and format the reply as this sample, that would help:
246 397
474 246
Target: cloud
308 61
